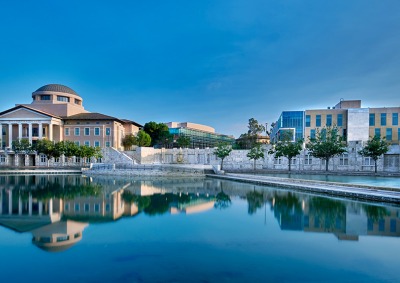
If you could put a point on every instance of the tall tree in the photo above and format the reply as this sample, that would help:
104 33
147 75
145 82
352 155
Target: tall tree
21 145
143 138
257 152
159 133
183 141
222 151
286 148
128 141
374 148
326 144
249 140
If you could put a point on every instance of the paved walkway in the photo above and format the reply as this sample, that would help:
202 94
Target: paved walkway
381 194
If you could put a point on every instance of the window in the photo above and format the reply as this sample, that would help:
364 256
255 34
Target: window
62 98
308 120
395 119
97 207
77 143
278 161
318 121
97 131
87 143
45 97
107 144
293 161
108 208
383 119
43 158
389 134
86 207
377 132
108 131
66 207
372 119
308 159
57 159
77 101
66 131
368 161
96 143
87 131
340 120
312 134
329 120
2 158
77 159
344 159
77 207
77 131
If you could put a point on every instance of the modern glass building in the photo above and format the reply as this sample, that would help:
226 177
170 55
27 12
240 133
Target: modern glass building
290 124
201 136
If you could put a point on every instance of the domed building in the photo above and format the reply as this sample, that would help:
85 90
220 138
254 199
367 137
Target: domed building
56 113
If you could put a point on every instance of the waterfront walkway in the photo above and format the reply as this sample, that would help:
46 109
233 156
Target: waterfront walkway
380 194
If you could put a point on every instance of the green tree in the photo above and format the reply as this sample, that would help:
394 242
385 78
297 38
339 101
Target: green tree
143 138
128 141
326 144
70 149
286 148
374 148
255 153
21 145
222 151
159 133
249 140
46 148
183 141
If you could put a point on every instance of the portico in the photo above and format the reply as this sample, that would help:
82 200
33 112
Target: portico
23 123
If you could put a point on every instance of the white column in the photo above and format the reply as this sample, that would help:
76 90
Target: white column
50 206
1 201
19 131
50 132
30 132
40 129
9 135
19 205
10 202
30 205
40 208
1 135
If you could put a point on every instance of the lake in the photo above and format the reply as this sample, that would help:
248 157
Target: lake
80 229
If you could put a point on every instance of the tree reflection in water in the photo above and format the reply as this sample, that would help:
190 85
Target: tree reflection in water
255 200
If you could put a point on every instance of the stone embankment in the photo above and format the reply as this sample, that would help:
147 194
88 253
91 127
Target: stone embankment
149 170
371 193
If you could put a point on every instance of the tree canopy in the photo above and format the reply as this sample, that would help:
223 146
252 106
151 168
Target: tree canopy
222 151
257 152
374 148
286 148
326 144
159 134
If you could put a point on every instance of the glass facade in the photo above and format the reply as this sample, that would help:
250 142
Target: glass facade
289 120
339 120
377 132
201 139
383 119
389 134
395 119
329 120
318 120
308 120
372 119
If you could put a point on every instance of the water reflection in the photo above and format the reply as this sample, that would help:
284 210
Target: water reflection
57 209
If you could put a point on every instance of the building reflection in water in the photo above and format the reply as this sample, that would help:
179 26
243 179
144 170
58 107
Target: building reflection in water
56 209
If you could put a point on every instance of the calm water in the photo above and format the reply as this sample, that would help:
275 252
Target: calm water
392 182
74 229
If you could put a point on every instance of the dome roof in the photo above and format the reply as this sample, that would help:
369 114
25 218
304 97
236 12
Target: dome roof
57 88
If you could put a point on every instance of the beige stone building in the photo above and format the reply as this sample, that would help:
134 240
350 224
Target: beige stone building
57 113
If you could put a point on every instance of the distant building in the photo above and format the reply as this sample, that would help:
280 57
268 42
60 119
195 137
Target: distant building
57 113
354 122
201 136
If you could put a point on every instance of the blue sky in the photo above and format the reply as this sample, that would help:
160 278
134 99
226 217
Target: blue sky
213 62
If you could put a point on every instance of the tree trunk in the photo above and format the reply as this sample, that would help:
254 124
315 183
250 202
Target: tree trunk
376 166
222 163
326 164
290 159
254 166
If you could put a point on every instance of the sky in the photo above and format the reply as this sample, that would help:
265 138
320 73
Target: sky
212 62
